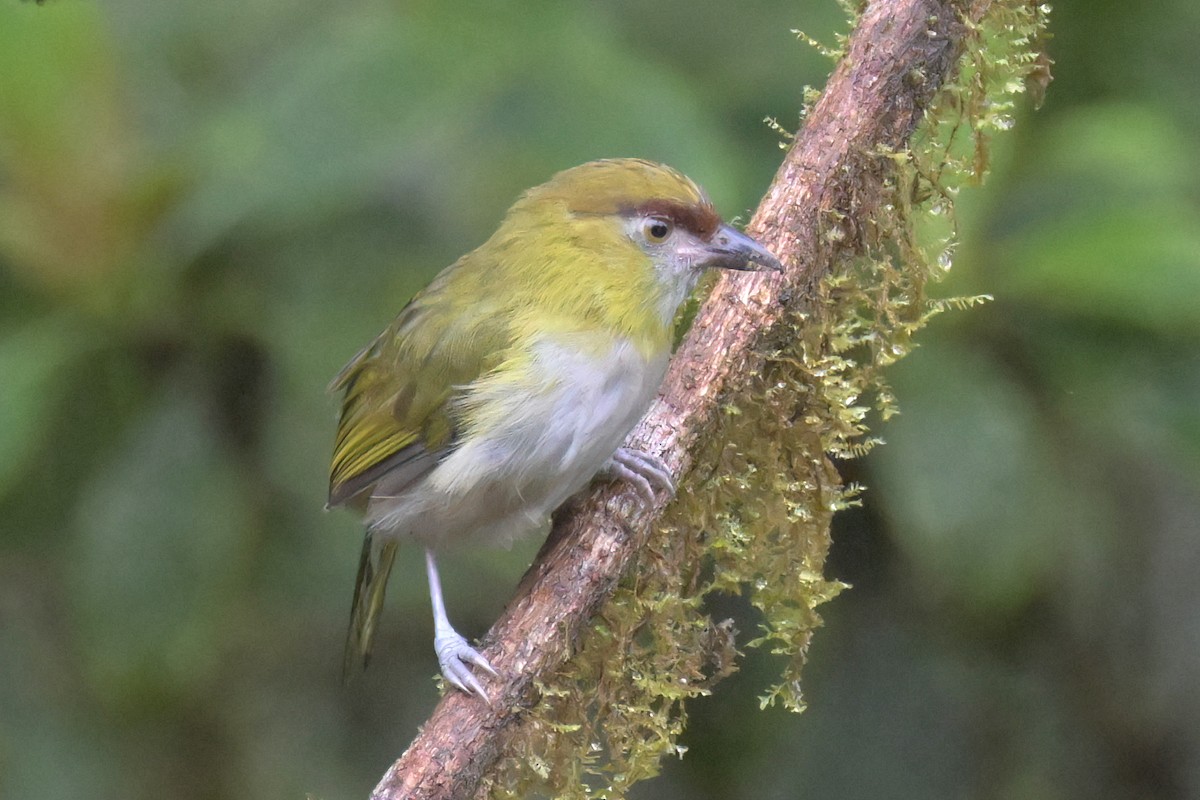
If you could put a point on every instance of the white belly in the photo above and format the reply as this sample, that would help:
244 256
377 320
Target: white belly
504 482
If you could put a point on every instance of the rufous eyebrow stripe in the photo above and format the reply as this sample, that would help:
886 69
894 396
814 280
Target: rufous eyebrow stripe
700 220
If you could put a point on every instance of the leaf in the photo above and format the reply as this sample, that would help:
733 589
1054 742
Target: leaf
72 205
32 361
161 533
1118 241
971 482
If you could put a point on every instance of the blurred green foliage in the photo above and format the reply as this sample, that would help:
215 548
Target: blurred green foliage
206 208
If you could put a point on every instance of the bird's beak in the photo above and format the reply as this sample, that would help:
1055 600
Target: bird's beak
729 248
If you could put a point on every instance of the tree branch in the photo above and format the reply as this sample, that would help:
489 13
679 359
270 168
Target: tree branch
899 55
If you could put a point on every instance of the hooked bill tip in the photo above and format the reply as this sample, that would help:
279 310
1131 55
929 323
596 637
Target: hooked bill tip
732 249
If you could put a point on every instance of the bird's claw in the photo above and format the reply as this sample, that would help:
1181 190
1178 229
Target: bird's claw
455 655
644 471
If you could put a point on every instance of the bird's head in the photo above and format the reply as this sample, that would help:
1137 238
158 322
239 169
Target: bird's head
638 221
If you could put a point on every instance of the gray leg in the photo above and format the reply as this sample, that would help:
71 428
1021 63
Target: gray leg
453 652
643 470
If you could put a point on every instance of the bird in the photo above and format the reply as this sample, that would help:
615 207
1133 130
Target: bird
510 382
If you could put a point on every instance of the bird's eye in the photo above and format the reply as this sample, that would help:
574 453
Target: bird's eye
656 230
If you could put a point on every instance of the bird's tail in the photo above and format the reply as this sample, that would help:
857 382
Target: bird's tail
374 566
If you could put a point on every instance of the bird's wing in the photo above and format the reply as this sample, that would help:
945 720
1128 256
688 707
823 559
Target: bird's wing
398 405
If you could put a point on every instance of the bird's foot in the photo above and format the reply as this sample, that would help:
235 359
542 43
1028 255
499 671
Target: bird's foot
644 471
455 657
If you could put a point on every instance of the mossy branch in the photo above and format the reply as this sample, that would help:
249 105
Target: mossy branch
846 187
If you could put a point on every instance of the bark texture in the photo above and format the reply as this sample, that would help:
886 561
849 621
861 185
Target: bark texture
898 56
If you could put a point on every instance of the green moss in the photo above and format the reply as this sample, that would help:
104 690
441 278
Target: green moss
753 517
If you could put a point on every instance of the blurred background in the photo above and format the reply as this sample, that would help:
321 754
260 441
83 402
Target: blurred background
207 208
